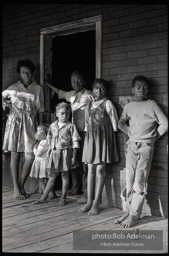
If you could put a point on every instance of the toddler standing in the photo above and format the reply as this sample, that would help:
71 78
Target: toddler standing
38 169
100 144
63 140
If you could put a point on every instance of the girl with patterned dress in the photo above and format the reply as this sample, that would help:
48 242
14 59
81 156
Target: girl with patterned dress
63 140
100 143
25 100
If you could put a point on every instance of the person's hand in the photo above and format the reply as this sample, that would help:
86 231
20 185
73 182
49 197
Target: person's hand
73 161
7 103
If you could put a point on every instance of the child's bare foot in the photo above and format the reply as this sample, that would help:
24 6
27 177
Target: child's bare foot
85 208
62 202
125 215
82 200
39 201
94 210
130 221
17 195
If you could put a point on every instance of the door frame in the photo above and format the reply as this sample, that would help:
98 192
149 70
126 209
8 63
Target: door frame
87 24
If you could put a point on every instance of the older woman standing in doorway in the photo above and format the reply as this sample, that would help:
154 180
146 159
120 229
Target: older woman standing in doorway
26 102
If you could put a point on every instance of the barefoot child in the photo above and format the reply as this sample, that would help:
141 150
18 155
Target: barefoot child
99 145
63 140
40 150
79 97
147 123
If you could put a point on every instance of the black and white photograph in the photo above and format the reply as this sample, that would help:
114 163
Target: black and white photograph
84 127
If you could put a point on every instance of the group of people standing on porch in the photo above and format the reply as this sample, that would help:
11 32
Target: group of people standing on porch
83 145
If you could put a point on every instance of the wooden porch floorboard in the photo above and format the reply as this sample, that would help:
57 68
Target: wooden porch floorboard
48 228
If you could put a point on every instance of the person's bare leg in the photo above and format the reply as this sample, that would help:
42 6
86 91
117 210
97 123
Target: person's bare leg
42 184
65 186
14 166
83 199
52 194
90 189
101 174
29 157
49 186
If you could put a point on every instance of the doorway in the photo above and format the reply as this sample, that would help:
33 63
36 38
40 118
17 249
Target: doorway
69 53
61 49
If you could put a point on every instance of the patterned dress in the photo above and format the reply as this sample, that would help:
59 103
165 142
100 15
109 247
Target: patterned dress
78 103
100 124
38 169
62 141
22 119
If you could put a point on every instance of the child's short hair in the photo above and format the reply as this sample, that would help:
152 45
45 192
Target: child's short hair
100 81
25 63
63 105
140 79
79 73
44 126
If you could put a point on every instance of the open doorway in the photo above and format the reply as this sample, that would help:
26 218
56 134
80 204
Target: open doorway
69 53
84 35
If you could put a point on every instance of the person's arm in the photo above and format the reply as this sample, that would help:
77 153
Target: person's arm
74 157
162 121
123 122
52 87
111 111
6 99
68 96
42 149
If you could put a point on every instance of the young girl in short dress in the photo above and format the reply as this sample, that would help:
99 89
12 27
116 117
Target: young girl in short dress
38 169
63 140
100 144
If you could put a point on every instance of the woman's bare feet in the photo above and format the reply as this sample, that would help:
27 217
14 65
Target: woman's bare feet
94 210
129 222
125 215
18 195
62 202
85 208
39 201
82 200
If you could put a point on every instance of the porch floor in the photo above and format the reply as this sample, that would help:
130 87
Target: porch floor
49 228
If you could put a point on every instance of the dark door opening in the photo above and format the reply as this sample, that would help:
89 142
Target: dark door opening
69 53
